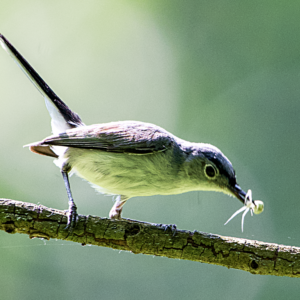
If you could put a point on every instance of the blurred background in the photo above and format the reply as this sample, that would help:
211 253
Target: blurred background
221 72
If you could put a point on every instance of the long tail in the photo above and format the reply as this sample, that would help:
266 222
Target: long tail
62 117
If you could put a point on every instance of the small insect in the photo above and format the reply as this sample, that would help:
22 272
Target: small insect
256 206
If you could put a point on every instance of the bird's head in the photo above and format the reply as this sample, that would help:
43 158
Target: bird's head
212 170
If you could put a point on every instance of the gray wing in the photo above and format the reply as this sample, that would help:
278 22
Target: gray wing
124 137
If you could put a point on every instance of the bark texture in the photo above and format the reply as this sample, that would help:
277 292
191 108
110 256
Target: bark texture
153 239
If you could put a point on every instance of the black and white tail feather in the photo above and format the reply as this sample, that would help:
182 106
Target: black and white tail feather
62 118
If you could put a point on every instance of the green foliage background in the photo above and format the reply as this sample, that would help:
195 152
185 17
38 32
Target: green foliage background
222 72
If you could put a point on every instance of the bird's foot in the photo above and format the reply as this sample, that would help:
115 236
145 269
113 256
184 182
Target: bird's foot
115 214
171 227
72 217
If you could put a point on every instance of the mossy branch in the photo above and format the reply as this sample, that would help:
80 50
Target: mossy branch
152 239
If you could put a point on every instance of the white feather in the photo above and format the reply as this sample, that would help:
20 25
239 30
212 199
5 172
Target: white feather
58 123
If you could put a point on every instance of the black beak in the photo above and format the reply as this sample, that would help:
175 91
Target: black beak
238 192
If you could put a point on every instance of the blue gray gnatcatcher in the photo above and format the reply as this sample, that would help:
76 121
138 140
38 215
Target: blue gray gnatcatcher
126 158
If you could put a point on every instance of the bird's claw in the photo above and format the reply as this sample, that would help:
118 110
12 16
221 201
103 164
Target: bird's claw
172 227
72 217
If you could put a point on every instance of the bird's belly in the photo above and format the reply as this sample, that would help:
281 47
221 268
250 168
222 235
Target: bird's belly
124 174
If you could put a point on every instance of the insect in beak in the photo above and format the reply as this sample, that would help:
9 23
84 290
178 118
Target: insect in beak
256 206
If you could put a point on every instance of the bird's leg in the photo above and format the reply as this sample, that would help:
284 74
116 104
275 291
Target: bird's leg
115 212
72 211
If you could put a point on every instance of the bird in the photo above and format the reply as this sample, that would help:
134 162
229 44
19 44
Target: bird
126 159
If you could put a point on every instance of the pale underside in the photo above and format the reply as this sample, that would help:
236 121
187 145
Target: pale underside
130 175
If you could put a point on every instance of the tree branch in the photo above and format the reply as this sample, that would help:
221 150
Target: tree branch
152 239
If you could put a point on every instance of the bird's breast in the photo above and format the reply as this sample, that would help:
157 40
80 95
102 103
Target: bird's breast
129 175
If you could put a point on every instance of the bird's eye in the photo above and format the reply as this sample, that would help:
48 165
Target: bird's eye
210 171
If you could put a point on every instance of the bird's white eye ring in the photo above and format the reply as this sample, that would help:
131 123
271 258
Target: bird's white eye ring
210 171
